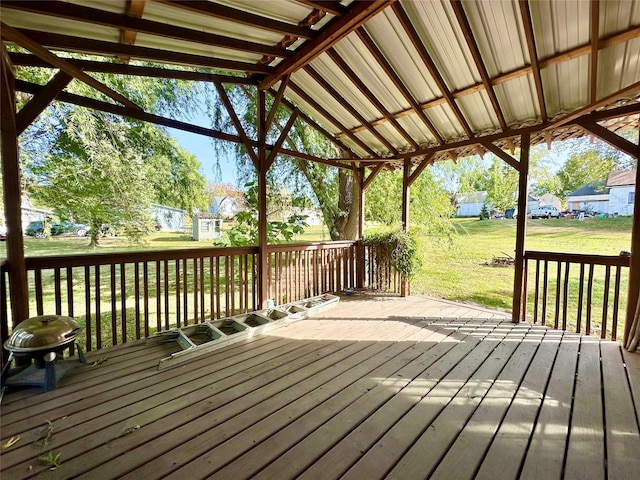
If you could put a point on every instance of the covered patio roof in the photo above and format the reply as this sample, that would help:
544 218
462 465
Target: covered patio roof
385 80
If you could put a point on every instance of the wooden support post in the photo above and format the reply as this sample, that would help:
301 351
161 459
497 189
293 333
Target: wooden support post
406 197
18 291
521 225
634 270
360 266
263 253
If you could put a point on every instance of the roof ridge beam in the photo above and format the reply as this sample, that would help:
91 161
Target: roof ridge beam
595 28
127 22
463 21
431 66
13 35
338 28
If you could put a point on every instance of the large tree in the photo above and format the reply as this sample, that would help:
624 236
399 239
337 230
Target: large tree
581 169
98 168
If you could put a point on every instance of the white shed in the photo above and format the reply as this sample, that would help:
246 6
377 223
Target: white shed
470 204
206 226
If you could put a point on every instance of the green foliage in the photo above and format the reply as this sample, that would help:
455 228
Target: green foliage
245 230
484 213
399 249
98 168
503 185
582 169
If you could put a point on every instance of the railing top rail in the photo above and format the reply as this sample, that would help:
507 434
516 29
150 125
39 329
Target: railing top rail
612 260
286 247
80 260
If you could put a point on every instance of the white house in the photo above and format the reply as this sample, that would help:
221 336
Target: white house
224 207
593 197
170 219
549 199
622 190
470 204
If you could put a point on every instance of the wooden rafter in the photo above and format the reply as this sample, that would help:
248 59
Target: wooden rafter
533 56
616 141
338 28
359 84
431 66
13 35
224 12
477 58
135 8
595 32
348 107
307 98
236 122
39 102
399 84
27 60
98 47
141 25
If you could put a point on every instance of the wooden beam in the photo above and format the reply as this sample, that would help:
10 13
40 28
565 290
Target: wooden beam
374 173
609 99
18 290
28 60
349 108
236 122
329 6
431 66
398 83
135 8
364 90
96 16
634 262
533 56
519 296
39 102
242 17
426 161
283 135
595 33
477 58
498 152
98 47
616 141
336 30
13 35
276 101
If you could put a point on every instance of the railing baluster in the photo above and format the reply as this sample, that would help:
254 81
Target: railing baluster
158 297
218 313
589 299
185 292
136 290
196 283
545 292
580 299
202 290
98 312
536 293
87 308
616 303
70 308
123 301
37 279
178 283
556 319
565 296
166 293
605 302
145 292
57 290
114 298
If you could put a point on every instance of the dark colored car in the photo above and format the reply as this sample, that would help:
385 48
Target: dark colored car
36 229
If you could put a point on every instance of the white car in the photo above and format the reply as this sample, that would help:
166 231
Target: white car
548 211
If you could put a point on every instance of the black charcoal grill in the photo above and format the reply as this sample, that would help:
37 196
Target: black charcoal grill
35 343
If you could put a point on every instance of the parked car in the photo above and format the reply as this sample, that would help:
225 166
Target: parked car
548 211
511 213
36 229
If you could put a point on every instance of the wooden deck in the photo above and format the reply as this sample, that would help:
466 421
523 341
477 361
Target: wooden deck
375 388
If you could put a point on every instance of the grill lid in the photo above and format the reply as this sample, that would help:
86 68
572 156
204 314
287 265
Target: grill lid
45 332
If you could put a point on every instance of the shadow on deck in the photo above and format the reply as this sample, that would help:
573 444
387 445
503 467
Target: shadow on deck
377 387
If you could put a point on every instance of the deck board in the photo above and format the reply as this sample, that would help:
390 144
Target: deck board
375 388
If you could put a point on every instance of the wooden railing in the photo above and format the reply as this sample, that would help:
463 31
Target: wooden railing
581 293
121 297
305 270
379 274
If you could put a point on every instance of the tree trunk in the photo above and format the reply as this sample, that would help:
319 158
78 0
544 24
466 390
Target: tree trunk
346 224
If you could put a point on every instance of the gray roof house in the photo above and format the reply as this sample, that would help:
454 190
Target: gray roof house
593 197
622 190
